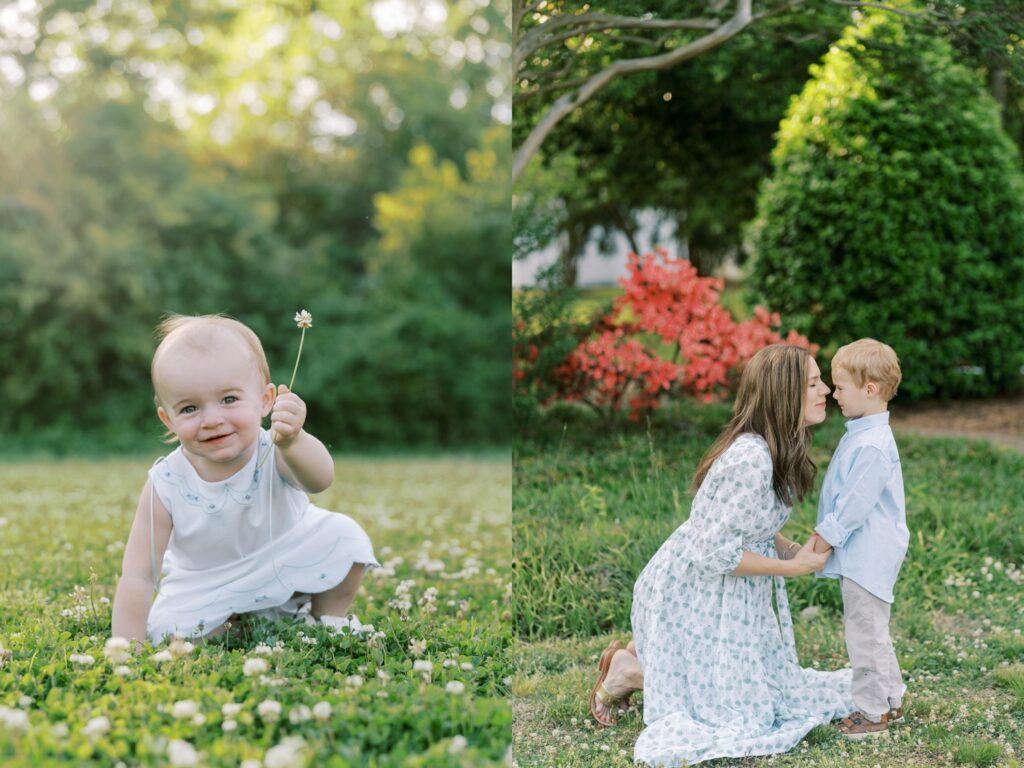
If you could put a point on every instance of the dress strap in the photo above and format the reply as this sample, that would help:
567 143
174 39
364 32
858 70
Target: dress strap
155 574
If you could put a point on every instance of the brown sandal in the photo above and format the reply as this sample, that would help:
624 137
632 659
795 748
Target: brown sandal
599 692
857 726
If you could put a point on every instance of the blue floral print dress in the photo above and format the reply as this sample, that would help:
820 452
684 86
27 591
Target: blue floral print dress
721 676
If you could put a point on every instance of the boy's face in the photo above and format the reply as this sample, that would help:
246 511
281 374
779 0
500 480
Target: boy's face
855 401
213 399
816 395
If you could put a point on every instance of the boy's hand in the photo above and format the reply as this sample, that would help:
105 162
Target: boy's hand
807 560
288 416
821 546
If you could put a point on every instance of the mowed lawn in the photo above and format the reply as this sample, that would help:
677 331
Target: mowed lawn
429 687
593 503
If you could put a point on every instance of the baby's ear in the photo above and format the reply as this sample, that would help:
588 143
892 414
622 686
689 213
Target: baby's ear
269 395
164 418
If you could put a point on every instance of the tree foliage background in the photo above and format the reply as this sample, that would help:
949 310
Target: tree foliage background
345 157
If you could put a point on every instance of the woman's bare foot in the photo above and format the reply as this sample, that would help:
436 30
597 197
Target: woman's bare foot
623 678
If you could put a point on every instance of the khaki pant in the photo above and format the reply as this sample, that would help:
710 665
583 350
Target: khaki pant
877 682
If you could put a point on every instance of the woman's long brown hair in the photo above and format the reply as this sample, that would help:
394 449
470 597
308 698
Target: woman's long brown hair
770 403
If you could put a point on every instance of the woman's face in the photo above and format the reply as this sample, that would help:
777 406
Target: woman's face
815 397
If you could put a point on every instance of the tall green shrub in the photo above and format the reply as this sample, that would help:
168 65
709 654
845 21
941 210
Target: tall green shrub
896 210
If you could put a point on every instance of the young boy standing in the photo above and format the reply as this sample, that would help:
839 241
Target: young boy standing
862 515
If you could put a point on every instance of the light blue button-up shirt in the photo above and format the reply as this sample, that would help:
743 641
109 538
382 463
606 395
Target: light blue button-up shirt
861 511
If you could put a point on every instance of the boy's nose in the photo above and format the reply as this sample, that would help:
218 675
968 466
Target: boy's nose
212 416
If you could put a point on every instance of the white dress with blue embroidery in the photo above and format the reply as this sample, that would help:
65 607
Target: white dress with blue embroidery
721 676
234 549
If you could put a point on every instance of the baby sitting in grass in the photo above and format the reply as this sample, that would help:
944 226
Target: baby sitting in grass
226 514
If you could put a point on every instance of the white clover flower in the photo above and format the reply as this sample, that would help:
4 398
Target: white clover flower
180 647
303 319
424 666
262 650
250 764
458 744
185 708
117 650
231 709
14 719
287 754
25 702
354 681
322 710
122 670
269 710
96 727
455 687
299 714
417 647
228 726
255 667
105 600
182 754
82 659
448 663
60 730
66 613
161 656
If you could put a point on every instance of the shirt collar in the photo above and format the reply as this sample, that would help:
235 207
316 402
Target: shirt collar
867 422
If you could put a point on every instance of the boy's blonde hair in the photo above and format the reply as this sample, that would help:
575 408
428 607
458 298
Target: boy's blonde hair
868 360
200 330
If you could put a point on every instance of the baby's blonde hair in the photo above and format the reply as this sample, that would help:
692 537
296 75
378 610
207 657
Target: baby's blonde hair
868 360
199 331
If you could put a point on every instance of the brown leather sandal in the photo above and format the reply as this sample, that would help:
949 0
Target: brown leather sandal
857 726
599 692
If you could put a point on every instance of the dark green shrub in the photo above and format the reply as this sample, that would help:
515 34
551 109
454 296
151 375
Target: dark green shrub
896 210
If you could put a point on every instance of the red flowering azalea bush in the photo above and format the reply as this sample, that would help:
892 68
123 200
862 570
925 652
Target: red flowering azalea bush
667 332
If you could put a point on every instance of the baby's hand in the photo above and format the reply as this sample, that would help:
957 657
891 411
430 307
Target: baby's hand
288 416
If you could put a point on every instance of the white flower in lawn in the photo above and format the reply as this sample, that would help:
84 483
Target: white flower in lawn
182 754
466 666
231 709
185 708
60 730
14 719
161 656
82 659
449 663
96 727
322 710
299 714
66 613
458 744
269 710
198 719
105 600
455 687
117 650
180 647
122 670
303 319
417 647
354 681
424 666
228 726
287 754
25 702
250 764
262 650
255 667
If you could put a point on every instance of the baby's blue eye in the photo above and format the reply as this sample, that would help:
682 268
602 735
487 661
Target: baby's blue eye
188 409
230 399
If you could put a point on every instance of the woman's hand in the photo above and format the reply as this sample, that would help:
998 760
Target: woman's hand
807 560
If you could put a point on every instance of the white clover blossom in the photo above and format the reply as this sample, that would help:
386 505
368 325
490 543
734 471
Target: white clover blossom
98 726
122 670
457 744
322 710
262 650
228 725
185 708
161 656
14 719
60 730
287 754
424 666
180 647
455 687
354 681
299 714
82 659
417 647
255 667
231 709
303 319
269 710
182 754
117 650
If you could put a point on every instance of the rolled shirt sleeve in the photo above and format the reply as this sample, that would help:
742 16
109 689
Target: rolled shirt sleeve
859 495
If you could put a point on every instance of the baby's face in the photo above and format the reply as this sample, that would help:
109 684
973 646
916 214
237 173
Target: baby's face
213 398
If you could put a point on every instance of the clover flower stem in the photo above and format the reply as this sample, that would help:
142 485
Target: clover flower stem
298 357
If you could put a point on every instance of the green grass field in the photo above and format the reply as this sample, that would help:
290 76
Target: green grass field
437 524
620 492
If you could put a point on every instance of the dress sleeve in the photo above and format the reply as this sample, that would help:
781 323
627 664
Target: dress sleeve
738 502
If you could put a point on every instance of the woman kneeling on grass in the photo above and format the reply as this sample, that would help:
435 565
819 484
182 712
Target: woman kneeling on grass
717 666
